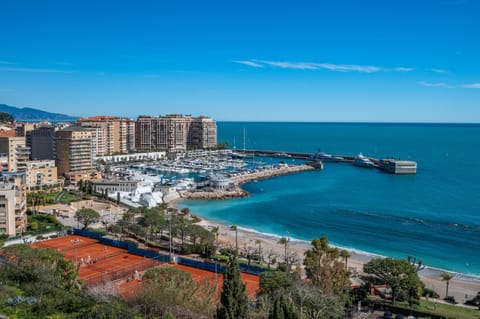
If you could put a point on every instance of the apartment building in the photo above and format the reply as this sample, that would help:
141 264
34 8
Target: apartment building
13 204
175 133
112 134
41 173
42 141
202 133
18 153
73 150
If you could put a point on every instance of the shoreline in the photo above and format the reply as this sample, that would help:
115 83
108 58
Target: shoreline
462 286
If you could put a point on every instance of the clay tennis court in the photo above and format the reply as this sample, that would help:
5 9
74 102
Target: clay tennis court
98 263
101 264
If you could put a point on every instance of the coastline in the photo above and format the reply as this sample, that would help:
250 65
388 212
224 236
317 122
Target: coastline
462 286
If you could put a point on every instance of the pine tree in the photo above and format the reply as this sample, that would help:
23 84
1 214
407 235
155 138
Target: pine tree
283 308
233 301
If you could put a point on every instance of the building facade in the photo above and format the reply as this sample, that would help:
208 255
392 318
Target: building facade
41 173
74 150
113 134
202 133
13 204
42 141
175 133
18 153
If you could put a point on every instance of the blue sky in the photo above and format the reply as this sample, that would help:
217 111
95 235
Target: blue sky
335 60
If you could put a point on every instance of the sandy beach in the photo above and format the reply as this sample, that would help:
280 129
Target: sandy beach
460 286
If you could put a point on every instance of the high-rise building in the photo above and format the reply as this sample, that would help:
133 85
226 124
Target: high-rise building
113 134
175 133
74 150
202 133
18 153
13 204
42 141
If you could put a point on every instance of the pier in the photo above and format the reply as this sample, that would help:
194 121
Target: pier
391 166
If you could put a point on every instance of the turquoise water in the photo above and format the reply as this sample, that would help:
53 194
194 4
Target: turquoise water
433 215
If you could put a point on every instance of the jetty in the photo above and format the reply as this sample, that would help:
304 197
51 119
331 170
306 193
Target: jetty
231 187
392 166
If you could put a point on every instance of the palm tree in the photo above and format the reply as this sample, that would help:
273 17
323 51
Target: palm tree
345 255
446 277
215 232
235 229
259 242
284 241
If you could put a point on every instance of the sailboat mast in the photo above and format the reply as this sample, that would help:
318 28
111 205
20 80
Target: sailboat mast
244 141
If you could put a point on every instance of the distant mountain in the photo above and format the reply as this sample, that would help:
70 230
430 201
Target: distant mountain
28 114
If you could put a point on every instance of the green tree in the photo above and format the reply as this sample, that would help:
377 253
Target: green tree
46 276
168 290
233 301
275 282
235 229
128 218
181 227
283 308
398 274
345 255
259 243
325 268
284 241
446 277
118 197
6 118
314 303
87 216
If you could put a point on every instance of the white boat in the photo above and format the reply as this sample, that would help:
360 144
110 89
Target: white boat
282 155
324 157
363 161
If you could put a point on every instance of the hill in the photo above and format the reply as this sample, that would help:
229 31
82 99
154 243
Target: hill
27 114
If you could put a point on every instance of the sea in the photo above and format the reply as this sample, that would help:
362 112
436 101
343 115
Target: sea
433 216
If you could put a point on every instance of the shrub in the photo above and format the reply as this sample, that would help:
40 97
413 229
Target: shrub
430 293
450 299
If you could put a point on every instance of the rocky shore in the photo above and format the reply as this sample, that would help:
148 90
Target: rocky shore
237 191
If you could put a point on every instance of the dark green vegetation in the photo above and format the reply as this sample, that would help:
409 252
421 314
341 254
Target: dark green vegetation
30 114
324 294
87 216
233 301
6 118
400 275
41 223
171 292
40 283
153 226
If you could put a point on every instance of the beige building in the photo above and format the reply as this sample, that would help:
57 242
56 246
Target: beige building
40 173
112 135
74 150
18 153
175 133
203 133
13 204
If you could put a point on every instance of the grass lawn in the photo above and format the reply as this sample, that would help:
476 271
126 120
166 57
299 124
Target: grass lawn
443 310
450 311
51 197
68 197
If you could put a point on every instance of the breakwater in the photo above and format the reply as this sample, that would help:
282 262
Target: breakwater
236 191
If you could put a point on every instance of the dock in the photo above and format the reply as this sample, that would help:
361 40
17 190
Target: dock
391 166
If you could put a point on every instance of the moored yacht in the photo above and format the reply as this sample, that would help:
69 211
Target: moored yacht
363 161
324 157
